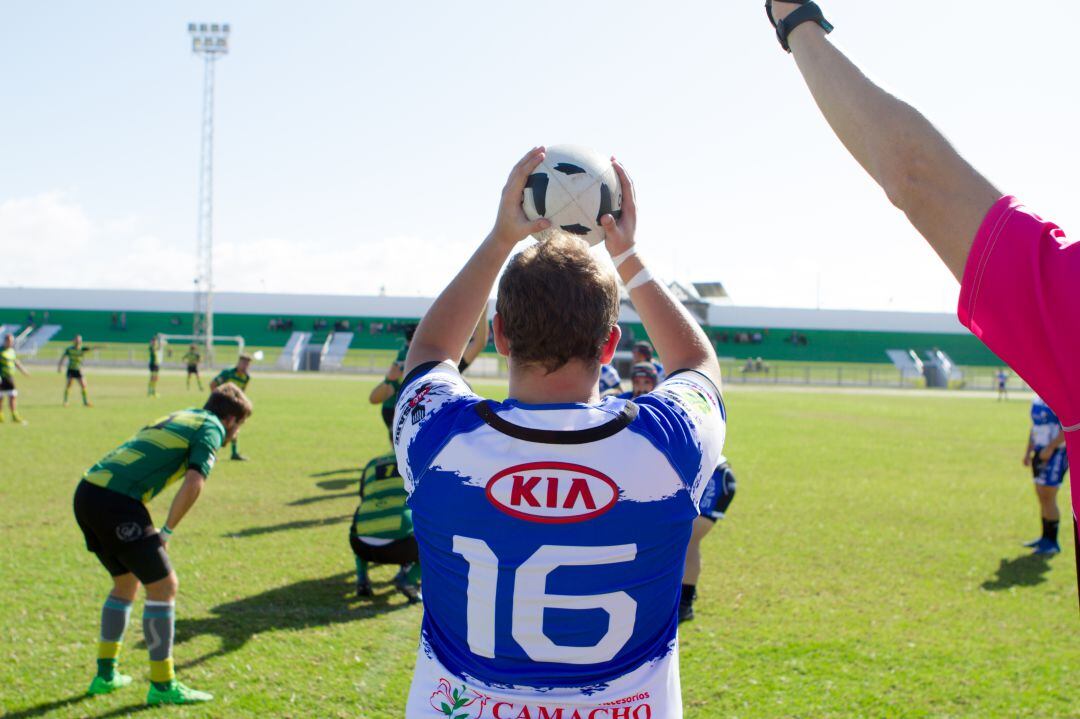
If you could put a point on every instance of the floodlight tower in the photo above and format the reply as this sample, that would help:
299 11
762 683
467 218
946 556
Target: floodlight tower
211 41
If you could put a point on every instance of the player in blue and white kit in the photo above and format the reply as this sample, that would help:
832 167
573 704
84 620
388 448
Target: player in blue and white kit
610 381
1046 456
643 352
643 379
551 525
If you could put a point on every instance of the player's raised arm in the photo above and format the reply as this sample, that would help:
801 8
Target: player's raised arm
448 324
477 342
679 340
922 174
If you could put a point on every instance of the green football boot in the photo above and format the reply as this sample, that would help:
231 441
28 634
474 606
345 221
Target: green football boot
101 685
176 693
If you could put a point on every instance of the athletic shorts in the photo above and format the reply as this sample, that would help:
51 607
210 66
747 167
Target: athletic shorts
192 369
7 387
74 374
718 494
155 368
118 529
1050 473
400 551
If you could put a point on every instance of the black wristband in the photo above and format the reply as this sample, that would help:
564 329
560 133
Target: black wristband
807 12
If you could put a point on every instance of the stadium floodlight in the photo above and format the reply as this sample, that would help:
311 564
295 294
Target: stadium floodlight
211 41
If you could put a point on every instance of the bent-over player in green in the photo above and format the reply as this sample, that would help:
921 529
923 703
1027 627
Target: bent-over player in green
240 377
110 507
382 528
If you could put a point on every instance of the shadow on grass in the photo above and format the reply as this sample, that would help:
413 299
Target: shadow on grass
332 485
323 497
287 526
1026 571
49 707
310 603
332 472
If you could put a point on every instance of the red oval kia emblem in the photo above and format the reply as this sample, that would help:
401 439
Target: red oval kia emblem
552 492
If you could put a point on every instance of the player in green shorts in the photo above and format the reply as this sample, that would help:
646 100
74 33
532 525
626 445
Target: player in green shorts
156 350
110 507
192 359
382 529
74 356
240 377
9 363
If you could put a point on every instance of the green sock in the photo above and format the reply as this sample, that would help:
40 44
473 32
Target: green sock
235 449
412 574
85 399
66 390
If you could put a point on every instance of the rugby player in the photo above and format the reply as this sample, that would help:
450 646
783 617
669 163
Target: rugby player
110 508
8 364
1018 272
1002 384
548 523
74 356
192 359
715 501
386 392
643 379
382 529
155 365
643 352
239 376
1049 462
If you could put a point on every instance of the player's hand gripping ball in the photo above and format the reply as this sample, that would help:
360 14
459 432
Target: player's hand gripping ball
573 188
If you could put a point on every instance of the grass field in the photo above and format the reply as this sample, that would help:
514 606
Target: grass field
870 566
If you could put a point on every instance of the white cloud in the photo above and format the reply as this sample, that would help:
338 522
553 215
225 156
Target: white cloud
53 242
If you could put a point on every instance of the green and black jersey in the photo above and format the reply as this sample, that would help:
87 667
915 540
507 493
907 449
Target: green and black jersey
391 401
192 358
232 375
383 513
160 454
75 356
155 355
7 363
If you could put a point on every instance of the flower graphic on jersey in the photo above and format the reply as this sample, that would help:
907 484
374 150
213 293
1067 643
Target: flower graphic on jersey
457 703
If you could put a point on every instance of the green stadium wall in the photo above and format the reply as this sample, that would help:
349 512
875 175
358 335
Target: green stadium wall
863 346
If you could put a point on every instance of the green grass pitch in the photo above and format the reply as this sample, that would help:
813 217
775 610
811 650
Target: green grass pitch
870 566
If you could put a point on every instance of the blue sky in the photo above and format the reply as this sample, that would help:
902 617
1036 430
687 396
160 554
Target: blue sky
361 146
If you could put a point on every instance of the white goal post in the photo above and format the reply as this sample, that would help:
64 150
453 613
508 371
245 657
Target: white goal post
238 340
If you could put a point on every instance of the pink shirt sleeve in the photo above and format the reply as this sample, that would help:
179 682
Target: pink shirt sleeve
1021 296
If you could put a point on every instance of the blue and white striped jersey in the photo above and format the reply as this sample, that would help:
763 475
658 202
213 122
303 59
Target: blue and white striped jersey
552 540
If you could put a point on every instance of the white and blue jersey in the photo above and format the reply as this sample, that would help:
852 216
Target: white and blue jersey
610 381
1045 428
552 539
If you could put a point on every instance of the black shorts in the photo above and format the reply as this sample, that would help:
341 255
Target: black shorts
7 384
118 529
193 369
155 368
74 374
400 551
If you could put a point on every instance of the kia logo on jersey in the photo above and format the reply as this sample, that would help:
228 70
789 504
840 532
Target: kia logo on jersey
552 492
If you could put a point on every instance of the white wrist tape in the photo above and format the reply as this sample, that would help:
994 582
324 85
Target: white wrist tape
623 257
641 278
